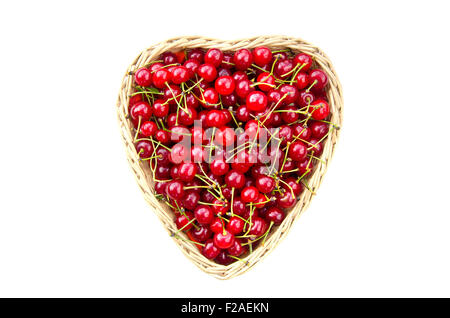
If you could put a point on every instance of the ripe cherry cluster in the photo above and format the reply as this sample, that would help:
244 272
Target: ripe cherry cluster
200 117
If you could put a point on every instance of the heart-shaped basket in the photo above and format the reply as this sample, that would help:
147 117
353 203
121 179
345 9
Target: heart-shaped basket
142 171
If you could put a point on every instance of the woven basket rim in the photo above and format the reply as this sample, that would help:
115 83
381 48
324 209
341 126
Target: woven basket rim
143 178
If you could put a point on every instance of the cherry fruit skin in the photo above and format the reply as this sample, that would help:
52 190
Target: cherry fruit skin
217 225
319 78
141 110
143 77
262 55
275 215
265 184
303 59
148 128
224 239
256 101
297 151
175 190
161 77
219 167
201 233
319 129
207 71
210 250
182 221
190 200
249 194
286 200
187 171
243 59
225 85
235 179
258 227
320 109
235 225
144 148
204 214
180 74
214 57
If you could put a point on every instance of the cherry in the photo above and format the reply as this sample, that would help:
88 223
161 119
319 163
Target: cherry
178 133
162 136
214 57
302 80
224 239
303 59
180 74
178 154
258 226
201 233
235 179
224 72
175 190
297 151
289 115
169 58
225 85
160 108
318 79
161 77
162 173
229 100
134 99
227 61
237 249
320 109
296 187
318 129
190 199
262 55
291 93
141 110
283 68
275 215
304 167
249 194
204 214
286 200
182 221
148 128
239 76
239 206
220 207
265 184
214 118
192 66
267 82
256 101
143 77
172 94
207 71
302 132
217 225
316 147
196 54
235 225
187 171
223 258
242 113
306 98
160 187
244 88
219 167
285 134
144 148
243 59
210 250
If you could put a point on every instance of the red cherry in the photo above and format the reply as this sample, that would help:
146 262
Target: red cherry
210 250
225 85
235 225
201 233
268 82
223 258
243 59
319 110
187 171
190 199
227 61
297 151
256 101
219 167
144 148
217 225
141 110
242 113
207 71
239 76
303 59
235 179
306 98
289 115
204 214
182 220
178 133
187 118
285 200
169 58
296 187
318 129
214 118
224 239
285 134
178 154
225 136
283 68
302 132
148 128
262 55
243 88
249 194
214 57
210 97
161 77
302 80
162 136
143 77
258 227
237 249
275 215
305 167
196 54
160 108
265 184
292 94
316 147
180 74
220 207
318 79
175 190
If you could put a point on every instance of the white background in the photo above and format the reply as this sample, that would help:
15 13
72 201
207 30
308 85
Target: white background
74 223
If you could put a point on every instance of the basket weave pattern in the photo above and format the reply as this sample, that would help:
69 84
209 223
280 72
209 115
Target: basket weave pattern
142 171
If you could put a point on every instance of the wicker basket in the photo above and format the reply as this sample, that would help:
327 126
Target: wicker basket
142 171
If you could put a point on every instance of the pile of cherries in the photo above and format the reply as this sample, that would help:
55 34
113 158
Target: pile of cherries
230 139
